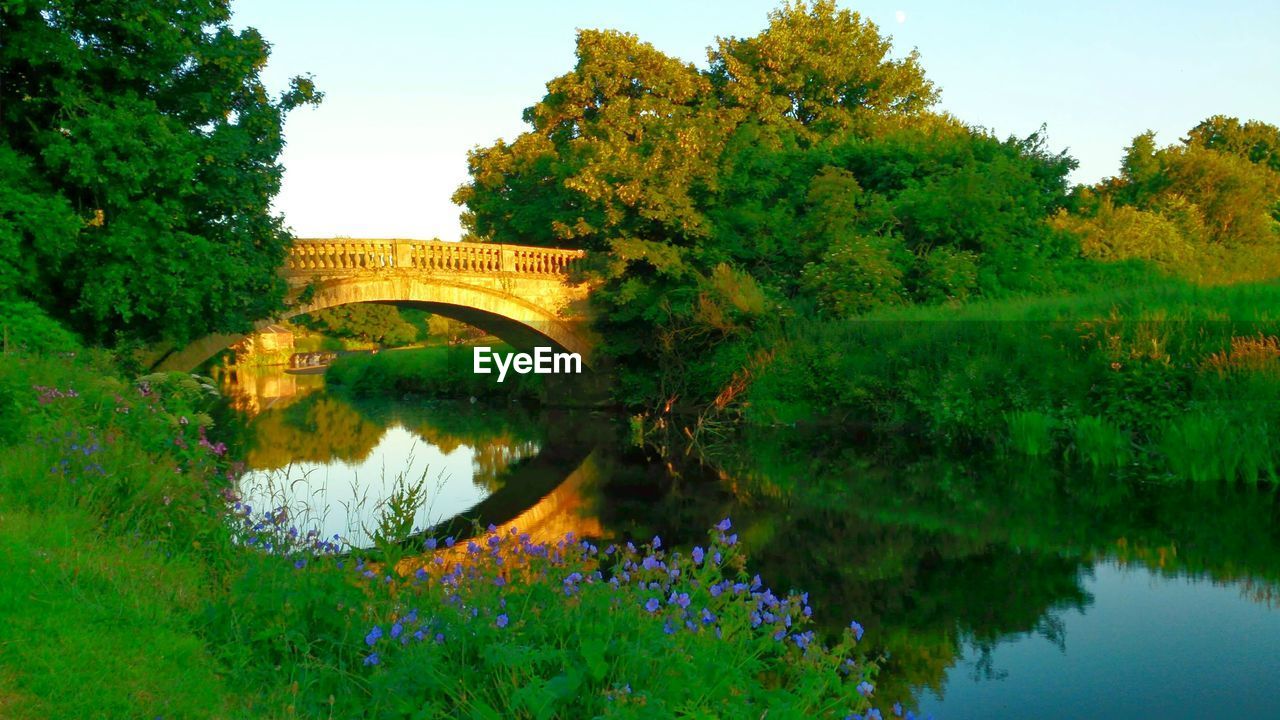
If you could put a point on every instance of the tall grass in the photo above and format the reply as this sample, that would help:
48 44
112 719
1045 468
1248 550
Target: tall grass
1109 364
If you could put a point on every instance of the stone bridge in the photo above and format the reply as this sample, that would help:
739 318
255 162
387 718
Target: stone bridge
518 293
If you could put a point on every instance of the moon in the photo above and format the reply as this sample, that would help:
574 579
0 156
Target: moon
901 16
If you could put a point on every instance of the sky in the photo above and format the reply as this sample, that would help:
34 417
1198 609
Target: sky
412 85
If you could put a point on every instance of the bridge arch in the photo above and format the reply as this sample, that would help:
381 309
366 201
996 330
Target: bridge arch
517 294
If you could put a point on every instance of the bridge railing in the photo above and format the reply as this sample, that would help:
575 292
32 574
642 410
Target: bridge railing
327 256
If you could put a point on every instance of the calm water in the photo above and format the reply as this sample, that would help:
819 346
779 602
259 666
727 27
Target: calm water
995 591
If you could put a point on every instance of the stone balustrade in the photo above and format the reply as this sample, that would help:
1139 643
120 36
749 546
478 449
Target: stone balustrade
430 256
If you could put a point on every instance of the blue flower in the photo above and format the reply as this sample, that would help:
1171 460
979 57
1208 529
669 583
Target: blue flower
652 605
857 629
373 635
372 659
501 621
396 629
657 542
724 525
865 688
301 563
697 555
874 714
897 709
431 544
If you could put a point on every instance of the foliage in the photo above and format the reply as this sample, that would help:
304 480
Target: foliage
370 322
1031 432
26 329
138 159
804 161
161 593
1159 375
445 372
1212 201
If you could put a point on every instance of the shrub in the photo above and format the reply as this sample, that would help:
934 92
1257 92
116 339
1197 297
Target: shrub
1100 443
1031 432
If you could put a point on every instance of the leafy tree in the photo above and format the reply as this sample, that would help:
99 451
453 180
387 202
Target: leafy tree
1253 140
803 168
138 158
1220 186
823 69
370 322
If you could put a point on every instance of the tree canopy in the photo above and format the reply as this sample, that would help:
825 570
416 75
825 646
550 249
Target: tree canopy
138 158
802 168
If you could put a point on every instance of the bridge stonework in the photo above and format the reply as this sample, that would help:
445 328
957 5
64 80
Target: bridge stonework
521 294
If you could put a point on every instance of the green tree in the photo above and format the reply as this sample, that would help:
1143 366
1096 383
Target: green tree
1219 186
370 322
803 168
825 70
1253 140
138 158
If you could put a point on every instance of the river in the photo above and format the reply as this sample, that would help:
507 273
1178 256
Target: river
1000 588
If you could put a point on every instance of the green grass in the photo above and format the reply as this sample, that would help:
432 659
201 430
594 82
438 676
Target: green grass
435 371
98 627
1031 432
1100 443
1117 367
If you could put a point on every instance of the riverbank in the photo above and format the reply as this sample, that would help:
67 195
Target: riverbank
443 371
1166 380
138 584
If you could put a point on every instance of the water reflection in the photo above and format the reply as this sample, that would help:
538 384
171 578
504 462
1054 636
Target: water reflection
950 565
990 590
334 463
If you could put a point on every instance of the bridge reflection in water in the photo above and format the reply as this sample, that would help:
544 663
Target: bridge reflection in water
568 508
335 462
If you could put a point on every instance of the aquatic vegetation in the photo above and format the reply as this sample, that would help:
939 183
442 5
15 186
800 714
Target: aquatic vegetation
1031 432
1100 443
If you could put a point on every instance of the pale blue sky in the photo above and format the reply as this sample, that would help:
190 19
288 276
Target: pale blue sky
411 85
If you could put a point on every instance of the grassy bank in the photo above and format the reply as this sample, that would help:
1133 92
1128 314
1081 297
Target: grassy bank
436 371
137 585
1167 380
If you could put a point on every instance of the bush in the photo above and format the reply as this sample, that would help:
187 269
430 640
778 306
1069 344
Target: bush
25 328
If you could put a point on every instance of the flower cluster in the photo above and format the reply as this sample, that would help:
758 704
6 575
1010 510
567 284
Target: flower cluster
504 589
